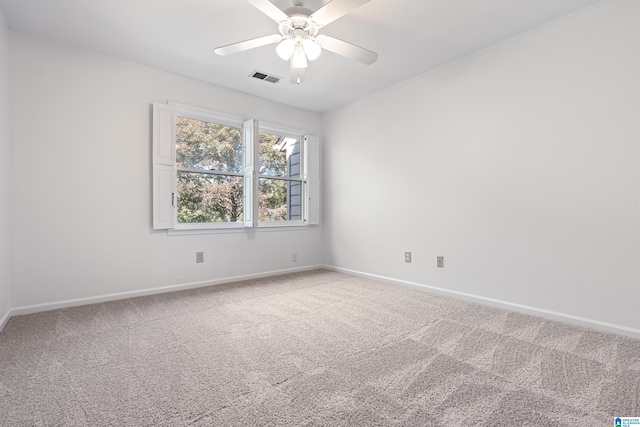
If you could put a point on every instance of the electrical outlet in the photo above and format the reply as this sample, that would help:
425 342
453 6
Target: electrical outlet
440 262
407 257
199 257
294 257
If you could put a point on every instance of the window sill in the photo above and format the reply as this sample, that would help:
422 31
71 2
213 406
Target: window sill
236 229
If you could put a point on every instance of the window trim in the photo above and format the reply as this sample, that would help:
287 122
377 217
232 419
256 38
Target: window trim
285 131
203 114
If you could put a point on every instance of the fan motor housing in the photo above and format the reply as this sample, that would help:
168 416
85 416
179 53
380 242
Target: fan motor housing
297 24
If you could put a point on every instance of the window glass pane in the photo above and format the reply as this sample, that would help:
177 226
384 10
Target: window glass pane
280 200
208 146
279 156
209 198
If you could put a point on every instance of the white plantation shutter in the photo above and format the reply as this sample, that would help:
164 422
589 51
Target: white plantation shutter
312 179
163 196
164 162
250 134
164 133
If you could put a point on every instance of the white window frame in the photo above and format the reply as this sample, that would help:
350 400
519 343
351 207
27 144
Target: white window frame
196 113
265 127
165 171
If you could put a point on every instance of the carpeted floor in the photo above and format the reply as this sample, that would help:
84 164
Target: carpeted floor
310 349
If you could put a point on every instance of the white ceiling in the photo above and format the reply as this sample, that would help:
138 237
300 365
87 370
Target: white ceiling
410 36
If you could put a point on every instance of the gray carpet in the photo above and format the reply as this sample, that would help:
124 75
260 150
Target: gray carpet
310 349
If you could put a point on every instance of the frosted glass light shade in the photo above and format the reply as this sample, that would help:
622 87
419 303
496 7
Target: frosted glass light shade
312 49
285 49
299 58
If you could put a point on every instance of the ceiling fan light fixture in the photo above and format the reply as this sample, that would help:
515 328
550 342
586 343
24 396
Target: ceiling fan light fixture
285 49
299 59
312 49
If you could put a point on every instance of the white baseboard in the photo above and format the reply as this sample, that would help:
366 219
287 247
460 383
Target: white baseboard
36 308
576 320
4 319
553 315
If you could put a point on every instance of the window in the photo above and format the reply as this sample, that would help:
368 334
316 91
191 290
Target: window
279 178
211 170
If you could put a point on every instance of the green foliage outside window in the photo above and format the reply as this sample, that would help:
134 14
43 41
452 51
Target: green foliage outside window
209 197
273 192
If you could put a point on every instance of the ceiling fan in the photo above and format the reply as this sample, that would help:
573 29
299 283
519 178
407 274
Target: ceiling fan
299 40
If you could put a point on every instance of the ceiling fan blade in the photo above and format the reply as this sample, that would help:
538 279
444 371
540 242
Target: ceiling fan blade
345 49
247 44
269 9
334 10
296 75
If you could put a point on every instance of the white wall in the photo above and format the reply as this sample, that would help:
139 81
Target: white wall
4 171
81 180
520 164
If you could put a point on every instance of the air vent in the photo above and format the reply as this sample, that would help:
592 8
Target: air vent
264 76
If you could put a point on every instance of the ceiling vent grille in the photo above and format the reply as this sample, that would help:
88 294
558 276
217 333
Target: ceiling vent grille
265 77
